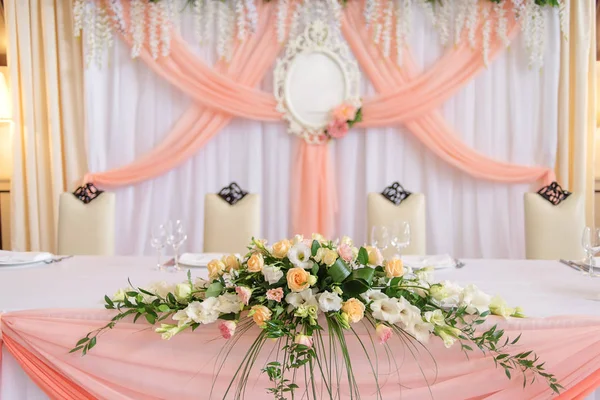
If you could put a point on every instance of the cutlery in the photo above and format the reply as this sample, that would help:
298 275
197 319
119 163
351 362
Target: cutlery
458 263
57 259
574 265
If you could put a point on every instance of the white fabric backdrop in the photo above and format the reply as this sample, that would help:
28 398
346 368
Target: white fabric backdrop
508 112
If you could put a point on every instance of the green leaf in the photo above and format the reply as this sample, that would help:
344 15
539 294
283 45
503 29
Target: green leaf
150 318
363 256
315 247
214 289
92 343
82 341
339 271
507 372
315 269
164 308
395 281
365 274
136 317
355 287
228 317
76 349
109 302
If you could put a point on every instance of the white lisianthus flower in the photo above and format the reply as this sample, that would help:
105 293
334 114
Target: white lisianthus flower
435 317
120 295
448 334
422 331
298 239
182 317
203 313
372 294
409 314
297 299
498 306
475 300
272 274
387 310
161 289
229 303
329 301
299 255
182 292
425 274
448 339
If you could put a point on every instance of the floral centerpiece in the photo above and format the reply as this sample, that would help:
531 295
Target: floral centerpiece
297 289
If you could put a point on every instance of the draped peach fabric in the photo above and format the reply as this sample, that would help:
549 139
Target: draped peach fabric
132 362
405 95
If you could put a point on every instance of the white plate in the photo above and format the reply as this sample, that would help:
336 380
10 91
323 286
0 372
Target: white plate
199 259
436 262
13 258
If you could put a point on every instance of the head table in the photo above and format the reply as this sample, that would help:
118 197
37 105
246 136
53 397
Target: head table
561 300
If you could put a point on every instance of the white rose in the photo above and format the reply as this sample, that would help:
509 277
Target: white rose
329 301
183 291
371 295
161 289
305 297
272 274
229 303
201 284
475 300
435 317
386 310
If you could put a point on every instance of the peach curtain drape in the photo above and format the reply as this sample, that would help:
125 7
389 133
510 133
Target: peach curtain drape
405 95
155 368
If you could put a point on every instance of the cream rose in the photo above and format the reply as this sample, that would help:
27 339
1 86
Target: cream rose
355 309
256 263
260 315
394 268
281 248
231 262
216 268
375 256
330 257
297 279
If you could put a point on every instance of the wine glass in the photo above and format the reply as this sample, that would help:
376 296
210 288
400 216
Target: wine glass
175 238
158 241
591 245
380 237
400 235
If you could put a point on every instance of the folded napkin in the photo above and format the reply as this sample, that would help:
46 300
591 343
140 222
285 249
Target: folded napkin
15 257
200 259
436 261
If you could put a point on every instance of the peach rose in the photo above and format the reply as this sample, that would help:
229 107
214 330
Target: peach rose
355 309
256 263
231 262
394 268
244 293
345 112
304 340
227 329
298 279
345 252
216 268
281 248
260 315
375 256
337 129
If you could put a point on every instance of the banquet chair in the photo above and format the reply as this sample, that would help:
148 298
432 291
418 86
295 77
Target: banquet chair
86 229
554 232
230 228
380 211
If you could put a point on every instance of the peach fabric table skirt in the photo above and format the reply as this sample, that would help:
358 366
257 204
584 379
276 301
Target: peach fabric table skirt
542 288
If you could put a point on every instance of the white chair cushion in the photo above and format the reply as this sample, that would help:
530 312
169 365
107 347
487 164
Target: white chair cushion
381 211
229 228
554 232
86 229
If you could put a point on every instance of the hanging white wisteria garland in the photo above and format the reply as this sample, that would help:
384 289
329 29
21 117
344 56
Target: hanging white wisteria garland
390 22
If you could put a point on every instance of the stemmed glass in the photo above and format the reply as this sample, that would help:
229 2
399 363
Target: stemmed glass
591 244
158 241
380 237
400 236
175 238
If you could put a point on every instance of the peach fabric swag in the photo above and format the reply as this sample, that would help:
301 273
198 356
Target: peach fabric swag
405 95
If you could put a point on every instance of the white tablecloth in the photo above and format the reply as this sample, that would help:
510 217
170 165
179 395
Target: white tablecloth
542 288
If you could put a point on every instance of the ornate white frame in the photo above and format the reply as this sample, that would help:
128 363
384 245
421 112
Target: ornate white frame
317 37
